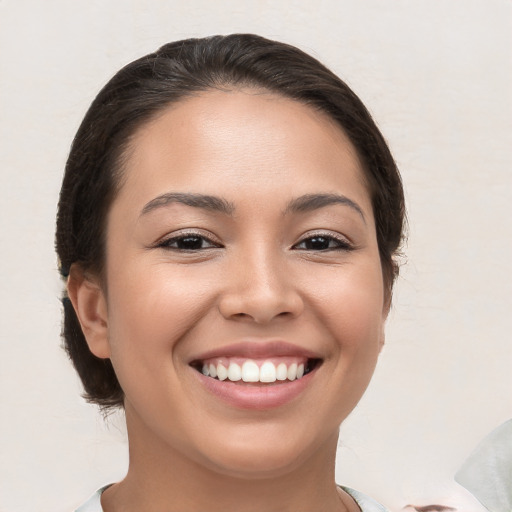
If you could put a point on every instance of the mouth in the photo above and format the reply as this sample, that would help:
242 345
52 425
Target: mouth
271 370
255 374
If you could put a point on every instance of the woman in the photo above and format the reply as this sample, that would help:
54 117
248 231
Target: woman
227 227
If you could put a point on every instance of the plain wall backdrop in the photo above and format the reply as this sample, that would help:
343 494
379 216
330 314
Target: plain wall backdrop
437 76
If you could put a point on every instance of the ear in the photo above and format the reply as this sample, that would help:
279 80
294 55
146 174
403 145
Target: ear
382 339
90 306
382 334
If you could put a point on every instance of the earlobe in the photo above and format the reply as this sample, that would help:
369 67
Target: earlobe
382 336
90 306
385 314
382 340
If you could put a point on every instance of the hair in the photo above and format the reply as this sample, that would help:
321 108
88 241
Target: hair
141 90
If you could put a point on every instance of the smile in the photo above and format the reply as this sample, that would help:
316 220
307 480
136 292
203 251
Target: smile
237 369
256 374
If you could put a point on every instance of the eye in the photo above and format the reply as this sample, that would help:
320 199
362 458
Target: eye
323 242
188 242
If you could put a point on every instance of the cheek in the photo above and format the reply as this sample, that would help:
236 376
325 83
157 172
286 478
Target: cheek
351 302
350 306
149 311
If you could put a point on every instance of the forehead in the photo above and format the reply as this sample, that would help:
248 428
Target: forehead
241 140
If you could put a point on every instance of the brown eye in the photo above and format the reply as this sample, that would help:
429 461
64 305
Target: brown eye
189 242
322 243
317 243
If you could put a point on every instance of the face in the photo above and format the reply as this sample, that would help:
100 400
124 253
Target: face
241 244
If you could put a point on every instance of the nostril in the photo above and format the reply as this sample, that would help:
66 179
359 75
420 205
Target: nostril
243 317
261 317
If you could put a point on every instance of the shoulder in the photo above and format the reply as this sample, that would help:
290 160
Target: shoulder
366 504
93 504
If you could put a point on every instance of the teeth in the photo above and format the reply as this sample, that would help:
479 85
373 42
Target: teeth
234 372
268 372
292 371
222 372
249 371
281 372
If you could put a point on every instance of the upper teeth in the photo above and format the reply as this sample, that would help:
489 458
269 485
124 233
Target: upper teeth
249 371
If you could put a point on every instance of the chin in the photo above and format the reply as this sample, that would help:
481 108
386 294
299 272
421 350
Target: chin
257 466
266 457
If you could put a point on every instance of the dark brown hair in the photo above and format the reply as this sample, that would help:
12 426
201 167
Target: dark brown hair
146 86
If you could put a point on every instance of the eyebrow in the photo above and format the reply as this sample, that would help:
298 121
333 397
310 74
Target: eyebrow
310 202
205 202
302 204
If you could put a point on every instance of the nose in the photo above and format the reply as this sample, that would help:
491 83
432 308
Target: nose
260 289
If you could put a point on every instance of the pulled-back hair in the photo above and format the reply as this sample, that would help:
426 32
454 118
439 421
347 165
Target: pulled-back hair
143 88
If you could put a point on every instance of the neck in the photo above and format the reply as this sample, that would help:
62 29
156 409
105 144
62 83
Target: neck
161 478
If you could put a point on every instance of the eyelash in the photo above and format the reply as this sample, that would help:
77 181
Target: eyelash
166 243
335 243
340 243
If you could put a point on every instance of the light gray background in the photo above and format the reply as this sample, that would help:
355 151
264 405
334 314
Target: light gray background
436 74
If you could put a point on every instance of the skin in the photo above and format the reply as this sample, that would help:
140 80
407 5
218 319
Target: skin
255 276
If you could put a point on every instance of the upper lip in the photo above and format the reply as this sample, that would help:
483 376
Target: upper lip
257 349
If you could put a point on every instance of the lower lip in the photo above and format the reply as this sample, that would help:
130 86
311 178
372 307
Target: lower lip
257 397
